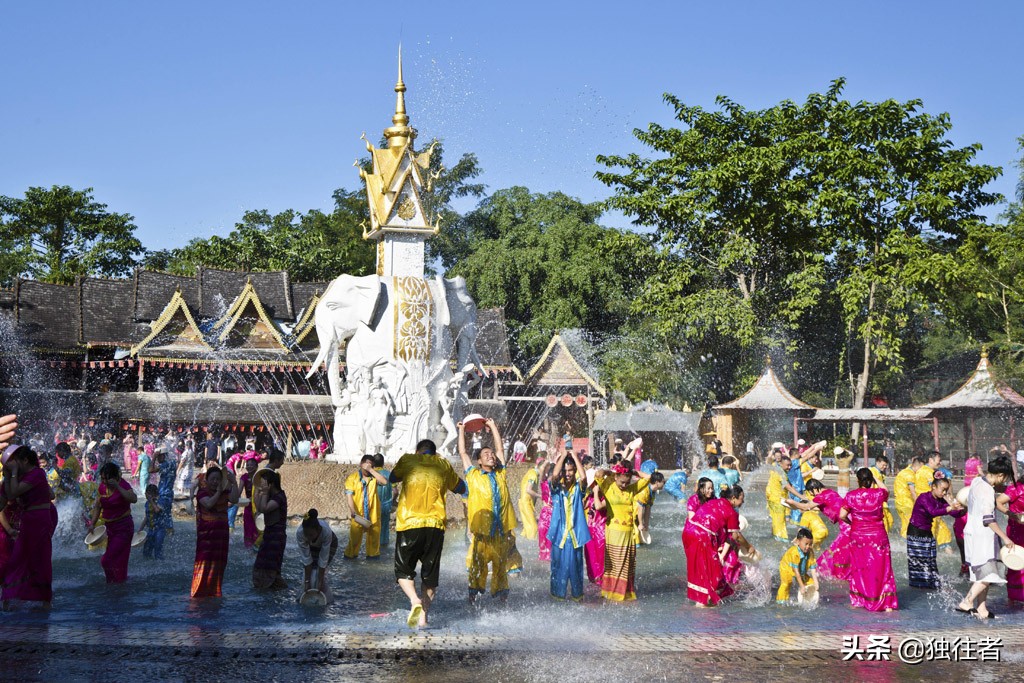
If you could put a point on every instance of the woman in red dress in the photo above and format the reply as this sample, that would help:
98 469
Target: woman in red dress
217 493
29 572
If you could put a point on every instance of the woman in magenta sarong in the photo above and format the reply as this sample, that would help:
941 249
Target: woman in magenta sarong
707 539
113 509
872 583
593 551
29 572
217 493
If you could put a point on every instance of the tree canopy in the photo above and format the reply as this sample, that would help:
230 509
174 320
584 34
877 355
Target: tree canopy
763 218
545 259
58 234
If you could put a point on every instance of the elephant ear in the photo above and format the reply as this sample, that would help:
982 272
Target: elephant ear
444 314
373 300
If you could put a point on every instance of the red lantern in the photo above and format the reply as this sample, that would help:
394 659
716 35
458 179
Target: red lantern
566 400
581 400
551 400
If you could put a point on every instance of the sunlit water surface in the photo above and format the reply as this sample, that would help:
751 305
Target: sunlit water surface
156 595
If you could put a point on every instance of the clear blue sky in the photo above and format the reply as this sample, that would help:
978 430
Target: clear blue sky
186 114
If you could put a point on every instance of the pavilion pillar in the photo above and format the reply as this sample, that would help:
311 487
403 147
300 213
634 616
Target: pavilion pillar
288 442
935 432
142 375
796 429
971 444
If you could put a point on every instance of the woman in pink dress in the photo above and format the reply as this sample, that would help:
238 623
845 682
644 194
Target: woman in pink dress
113 509
593 551
29 572
872 583
544 519
1014 498
707 539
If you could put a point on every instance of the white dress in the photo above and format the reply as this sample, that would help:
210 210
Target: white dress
981 545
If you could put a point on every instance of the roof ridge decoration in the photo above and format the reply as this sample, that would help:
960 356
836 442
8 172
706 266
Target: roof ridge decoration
768 393
245 298
176 305
307 321
981 390
558 342
393 184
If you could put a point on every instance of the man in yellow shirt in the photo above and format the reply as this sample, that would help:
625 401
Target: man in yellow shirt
491 518
529 492
363 501
923 484
778 484
419 523
905 493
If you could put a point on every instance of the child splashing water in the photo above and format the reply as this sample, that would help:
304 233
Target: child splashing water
797 565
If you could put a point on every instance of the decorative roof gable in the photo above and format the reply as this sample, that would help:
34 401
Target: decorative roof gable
175 328
247 325
557 366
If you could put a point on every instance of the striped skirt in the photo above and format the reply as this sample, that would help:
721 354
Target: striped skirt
922 568
618 583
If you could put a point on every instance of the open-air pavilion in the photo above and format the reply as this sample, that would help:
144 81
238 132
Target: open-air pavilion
981 397
769 399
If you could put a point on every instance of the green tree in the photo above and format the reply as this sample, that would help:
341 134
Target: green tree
545 259
895 199
311 246
58 234
763 218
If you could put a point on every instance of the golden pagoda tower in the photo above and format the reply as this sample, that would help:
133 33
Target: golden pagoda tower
398 222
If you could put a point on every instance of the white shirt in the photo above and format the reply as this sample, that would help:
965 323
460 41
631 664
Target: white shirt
323 543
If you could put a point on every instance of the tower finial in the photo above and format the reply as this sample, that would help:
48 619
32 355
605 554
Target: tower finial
399 134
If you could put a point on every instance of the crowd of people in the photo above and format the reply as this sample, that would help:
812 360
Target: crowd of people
587 520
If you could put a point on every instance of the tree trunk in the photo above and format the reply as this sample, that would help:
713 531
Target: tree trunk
861 387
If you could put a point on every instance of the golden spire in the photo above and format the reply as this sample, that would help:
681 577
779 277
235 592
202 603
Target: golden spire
400 134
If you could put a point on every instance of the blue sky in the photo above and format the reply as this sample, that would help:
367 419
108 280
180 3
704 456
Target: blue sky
186 114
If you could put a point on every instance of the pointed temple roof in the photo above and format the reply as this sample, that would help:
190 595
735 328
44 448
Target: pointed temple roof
175 328
306 325
980 392
768 393
252 327
558 366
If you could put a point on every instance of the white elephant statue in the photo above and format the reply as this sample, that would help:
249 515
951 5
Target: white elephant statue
401 333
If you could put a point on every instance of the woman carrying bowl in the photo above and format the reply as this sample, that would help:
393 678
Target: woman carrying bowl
29 572
113 509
